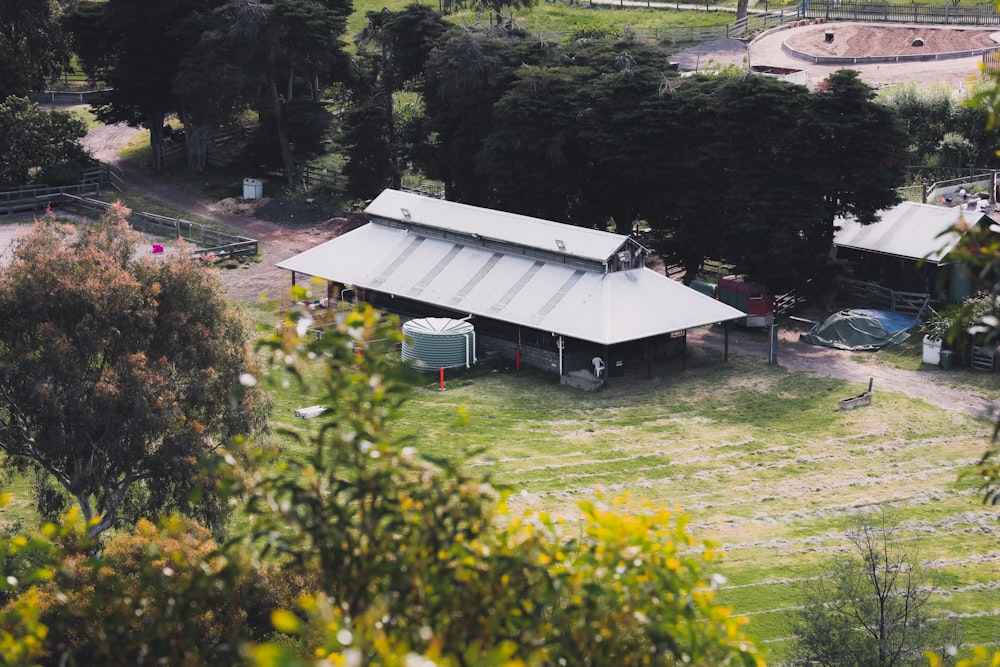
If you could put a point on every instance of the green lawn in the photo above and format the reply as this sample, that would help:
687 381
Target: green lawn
562 17
757 456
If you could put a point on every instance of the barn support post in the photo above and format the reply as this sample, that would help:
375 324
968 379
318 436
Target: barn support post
772 358
293 278
725 348
560 343
684 353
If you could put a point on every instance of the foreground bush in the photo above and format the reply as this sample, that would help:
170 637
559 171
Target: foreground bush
365 553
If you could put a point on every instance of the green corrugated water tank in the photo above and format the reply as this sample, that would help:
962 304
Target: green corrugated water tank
431 343
706 288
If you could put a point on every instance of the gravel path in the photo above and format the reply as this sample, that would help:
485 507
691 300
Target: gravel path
933 385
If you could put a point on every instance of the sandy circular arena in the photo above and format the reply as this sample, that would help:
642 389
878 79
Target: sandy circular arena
858 40
864 39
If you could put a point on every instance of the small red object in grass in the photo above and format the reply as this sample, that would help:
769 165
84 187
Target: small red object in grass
157 248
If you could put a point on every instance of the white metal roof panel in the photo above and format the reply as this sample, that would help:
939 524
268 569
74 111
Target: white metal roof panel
499 225
909 229
605 308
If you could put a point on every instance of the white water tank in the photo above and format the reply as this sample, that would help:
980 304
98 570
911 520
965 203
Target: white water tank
432 343
252 188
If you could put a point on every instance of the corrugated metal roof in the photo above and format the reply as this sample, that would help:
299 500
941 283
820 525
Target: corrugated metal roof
605 308
499 225
909 229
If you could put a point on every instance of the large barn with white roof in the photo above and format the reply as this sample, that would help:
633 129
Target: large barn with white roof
559 295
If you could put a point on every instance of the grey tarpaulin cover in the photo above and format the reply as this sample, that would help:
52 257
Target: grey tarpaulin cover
861 329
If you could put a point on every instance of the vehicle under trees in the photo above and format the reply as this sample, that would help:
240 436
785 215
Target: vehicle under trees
119 373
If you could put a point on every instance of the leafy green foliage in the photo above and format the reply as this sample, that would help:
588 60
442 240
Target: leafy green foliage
32 46
415 557
936 123
39 146
28 563
155 595
869 608
288 51
118 372
381 135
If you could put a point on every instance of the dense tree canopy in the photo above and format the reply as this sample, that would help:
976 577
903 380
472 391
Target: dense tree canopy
929 114
203 60
39 146
380 135
749 170
465 77
147 42
118 372
290 50
32 46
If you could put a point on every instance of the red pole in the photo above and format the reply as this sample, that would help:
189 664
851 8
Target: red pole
441 383
359 355
517 359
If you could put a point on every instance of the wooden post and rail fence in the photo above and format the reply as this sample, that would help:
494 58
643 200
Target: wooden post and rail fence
80 199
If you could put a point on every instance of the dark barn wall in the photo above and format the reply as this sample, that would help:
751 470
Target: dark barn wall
538 348
897 273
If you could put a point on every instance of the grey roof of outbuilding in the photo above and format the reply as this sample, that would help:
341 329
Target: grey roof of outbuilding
600 307
521 230
909 230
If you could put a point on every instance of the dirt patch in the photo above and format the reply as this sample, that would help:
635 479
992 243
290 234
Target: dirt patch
291 212
238 206
852 40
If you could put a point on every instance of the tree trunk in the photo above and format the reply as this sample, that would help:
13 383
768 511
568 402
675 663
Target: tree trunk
287 158
397 166
691 268
741 9
154 121
623 220
196 138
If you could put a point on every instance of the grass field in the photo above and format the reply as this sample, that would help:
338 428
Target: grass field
562 17
759 458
